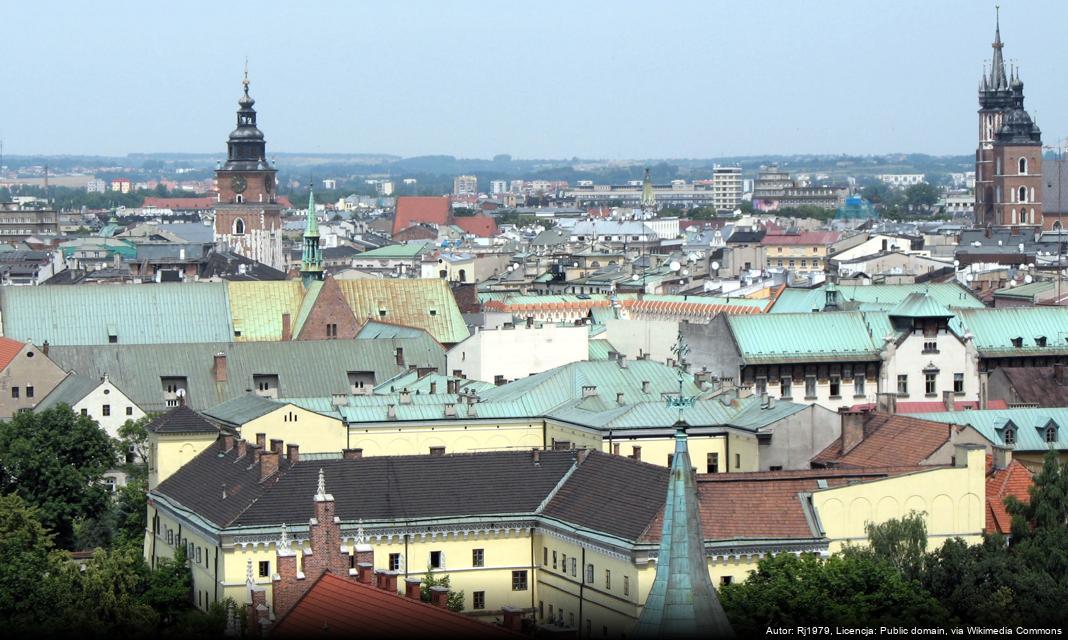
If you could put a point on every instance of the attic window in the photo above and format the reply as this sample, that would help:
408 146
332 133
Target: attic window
433 312
1050 432
1009 435
237 333
113 339
1017 342
381 313
1040 341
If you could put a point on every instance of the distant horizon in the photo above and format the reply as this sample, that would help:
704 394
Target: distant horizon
601 79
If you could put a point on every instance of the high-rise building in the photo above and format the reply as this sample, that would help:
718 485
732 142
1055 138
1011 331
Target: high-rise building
465 186
498 187
1008 162
248 219
726 188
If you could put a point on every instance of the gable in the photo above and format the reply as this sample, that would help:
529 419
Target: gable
329 308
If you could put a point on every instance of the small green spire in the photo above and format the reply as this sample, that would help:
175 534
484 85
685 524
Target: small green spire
311 263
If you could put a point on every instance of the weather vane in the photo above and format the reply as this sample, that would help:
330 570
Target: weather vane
680 349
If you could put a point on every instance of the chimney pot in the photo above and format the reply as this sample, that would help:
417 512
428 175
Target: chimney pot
261 440
365 573
293 453
228 442
278 446
412 588
268 464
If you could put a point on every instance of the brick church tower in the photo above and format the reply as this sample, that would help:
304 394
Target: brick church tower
248 220
1008 161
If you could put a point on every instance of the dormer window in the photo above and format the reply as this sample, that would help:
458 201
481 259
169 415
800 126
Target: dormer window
1008 433
1049 432
1017 342
1040 341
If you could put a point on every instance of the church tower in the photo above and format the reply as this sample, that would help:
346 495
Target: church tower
248 219
311 262
1008 161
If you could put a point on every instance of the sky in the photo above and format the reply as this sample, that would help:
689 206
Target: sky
535 79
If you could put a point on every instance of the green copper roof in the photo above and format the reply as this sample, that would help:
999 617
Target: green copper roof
804 336
682 602
69 392
599 349
1026 291
311 263
605 414
875 296
920 305
257 307
994 330
394 251
242 409
1030 425
374 329
133 314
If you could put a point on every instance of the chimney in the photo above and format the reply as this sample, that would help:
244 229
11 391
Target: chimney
400 356
619 398
671 363
771 402
405 397
536 455
268 464
886 403
852 429
387 581
228 442
450 386
513 618
1002 457
412 588
530 321
1060 372
589 390
242 448
622 360
218 367
581 454
255 452
391 412
365 573
278 446
645 386
433 388
947 400
261 440
44 348
351 454
450 410
287 328
339 400
439 596
293 453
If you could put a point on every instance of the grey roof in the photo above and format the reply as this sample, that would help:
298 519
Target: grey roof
1055 186
69 391
181 419
304 368
239 410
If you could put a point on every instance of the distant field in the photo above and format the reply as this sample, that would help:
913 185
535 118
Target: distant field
53 181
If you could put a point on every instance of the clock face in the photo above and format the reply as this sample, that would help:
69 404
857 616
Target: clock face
238 184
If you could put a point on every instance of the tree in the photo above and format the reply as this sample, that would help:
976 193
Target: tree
456 598
1047 507
901 542
169 586
921 195
56 460
133 443
106 595
28 566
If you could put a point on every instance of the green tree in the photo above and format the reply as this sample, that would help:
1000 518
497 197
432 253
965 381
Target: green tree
456 598
921 195
56 460
901 542
107 595
1047 507
169 587
29 589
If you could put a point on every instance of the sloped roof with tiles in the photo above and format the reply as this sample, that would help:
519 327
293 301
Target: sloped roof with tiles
1038 385
1029 425
803 238
1013 480
875 296
889 440
424 303
481 226
8 350
181 419
412 210
242 409
134 314
345 607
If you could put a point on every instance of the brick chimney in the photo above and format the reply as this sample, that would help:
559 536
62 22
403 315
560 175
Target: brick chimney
439 596
228 442
536 457
405 397
400 356
261 440
289 584
268 464
886 403
218 367
242 448
293 453
351 454
581 455
433 388
287 327
44 348
412 588
278 446
365 572
852 429
513 618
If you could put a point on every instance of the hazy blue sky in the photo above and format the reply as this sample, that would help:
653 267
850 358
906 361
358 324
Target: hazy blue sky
607 79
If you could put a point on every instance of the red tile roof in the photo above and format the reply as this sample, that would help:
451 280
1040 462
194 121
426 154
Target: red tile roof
207 202
337 607
481 226
889 440
413 210
650 306
8 350
805 238
1013 480
934 407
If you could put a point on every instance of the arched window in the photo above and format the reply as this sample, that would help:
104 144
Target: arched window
1057 225
1023 216
1023 166
1023 194
239 227
1010 436
1051 433
463 275
1032 194
240 199
1013 218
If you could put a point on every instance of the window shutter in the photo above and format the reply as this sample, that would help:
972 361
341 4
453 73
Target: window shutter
400 562
442 559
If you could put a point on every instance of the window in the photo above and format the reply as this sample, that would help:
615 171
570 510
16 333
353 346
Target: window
109 482
437 559
105 409
478 557
930 384
930 346
29 389
858 385
554 559
571 619
1051 434
958 383
550 613
784 388
636 453
541 609
265 568
1010 436
113 339
563 562
712 463
1023 166
1023 194
574 567
589 574
903 384
85 412
14 392
626 585
725 580
129 411
545 556
607 578
331 330
737 461
810 387
437 451
1017 342
761 386
519 581
836 387
478 600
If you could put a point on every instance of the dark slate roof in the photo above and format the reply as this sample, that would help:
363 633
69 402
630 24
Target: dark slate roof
611 494
181 419
380 487
1036 385
747 235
